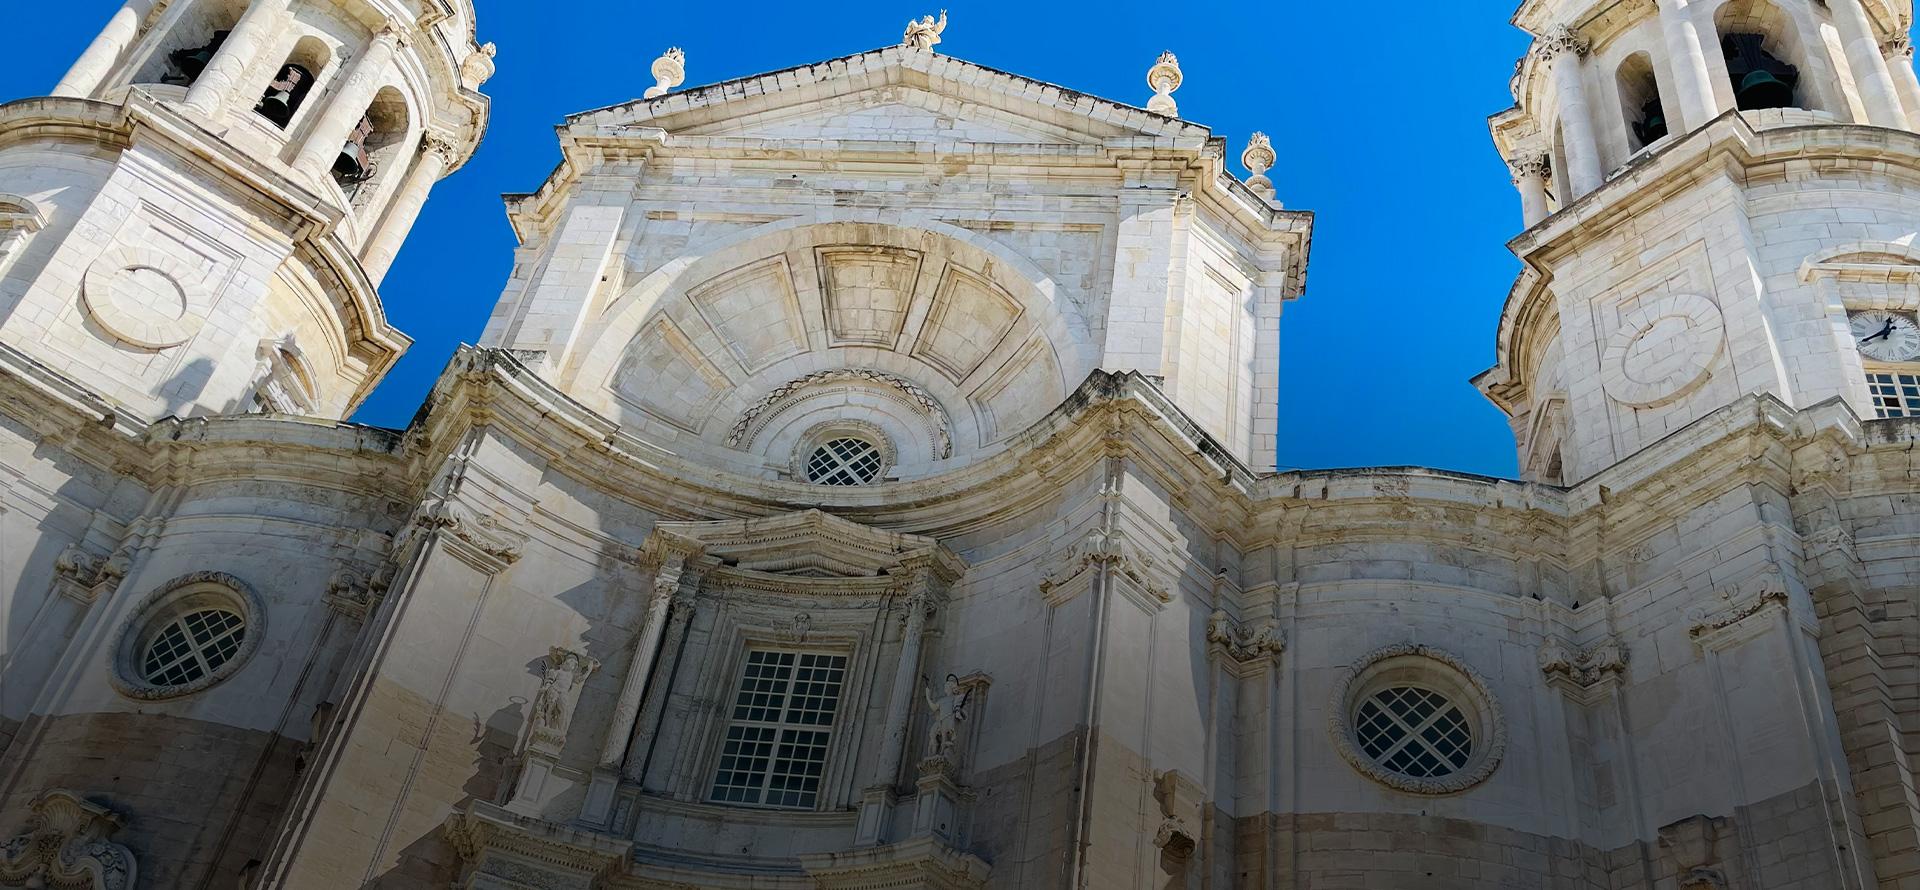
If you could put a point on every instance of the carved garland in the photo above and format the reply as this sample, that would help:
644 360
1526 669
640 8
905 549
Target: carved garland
921 399
1492 729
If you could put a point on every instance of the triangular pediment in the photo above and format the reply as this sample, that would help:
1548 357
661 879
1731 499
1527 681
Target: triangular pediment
896 114
896 94
807 544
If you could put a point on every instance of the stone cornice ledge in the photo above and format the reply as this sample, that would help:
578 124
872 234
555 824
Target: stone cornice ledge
483 386
921 862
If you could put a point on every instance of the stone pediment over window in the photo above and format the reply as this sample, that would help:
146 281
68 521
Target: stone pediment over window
812 544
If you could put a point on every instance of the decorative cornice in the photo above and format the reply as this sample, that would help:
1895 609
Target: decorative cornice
532 852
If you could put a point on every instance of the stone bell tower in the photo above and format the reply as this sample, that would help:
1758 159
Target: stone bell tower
1719 201
196 221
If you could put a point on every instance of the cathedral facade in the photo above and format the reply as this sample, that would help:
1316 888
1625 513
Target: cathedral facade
866 480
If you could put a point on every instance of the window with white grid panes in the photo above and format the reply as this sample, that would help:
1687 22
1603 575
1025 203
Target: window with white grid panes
192 646
775 749
1895 393
1414 732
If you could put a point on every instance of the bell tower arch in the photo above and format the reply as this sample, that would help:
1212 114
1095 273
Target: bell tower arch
214 181
1703 184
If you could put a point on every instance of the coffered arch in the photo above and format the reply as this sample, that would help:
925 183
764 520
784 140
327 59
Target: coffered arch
904 324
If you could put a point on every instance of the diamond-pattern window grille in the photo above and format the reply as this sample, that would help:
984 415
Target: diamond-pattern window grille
1894 394
1415 732
775 749
192 646
845 461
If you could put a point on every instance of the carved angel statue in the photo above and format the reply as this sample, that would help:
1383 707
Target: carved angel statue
924 33
553 705
949 711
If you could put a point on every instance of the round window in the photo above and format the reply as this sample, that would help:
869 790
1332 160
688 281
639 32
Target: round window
1419 720
1413 731
187 636
845 461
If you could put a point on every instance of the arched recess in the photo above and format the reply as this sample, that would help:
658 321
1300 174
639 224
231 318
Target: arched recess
941 338
293 83
1640 104
19 220
1765 59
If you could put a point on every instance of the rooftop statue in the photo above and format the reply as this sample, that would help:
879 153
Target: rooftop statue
924 33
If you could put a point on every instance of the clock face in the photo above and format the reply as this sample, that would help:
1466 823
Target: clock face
1886 336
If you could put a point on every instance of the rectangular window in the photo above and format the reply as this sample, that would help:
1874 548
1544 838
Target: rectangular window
1894 394
776 743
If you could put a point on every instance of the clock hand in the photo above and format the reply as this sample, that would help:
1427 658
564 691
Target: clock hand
1884 333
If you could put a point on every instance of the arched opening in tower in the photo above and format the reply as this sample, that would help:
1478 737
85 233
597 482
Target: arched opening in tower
1640 103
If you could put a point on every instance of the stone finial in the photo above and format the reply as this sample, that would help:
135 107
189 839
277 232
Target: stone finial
1258 159
669 71
1164 77
925 32
479 66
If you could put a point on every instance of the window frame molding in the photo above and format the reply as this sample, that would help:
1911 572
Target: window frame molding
161 607
745 613
1442 672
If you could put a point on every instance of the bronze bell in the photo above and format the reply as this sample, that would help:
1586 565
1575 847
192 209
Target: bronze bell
354 164
284 95
189 63
1652 126
1761 89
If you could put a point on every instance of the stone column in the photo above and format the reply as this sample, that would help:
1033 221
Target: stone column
1870 73
906 677
671 576
1563 49
218 84
1692 82
1530 176
436 155
348 104
1899 54
104 52
683 606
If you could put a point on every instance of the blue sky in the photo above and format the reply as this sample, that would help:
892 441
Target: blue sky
1379 123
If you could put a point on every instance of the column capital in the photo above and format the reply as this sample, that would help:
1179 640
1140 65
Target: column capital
441 146
1899 46
1560 40
1537 165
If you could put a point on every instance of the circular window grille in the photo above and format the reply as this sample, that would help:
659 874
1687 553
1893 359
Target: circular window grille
192 633
193 646
844 461
1415 732
1417 719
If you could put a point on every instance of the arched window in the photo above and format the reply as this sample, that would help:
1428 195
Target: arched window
283 385
19 219
1757 39
1640 102
189 43
290 87
375 146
